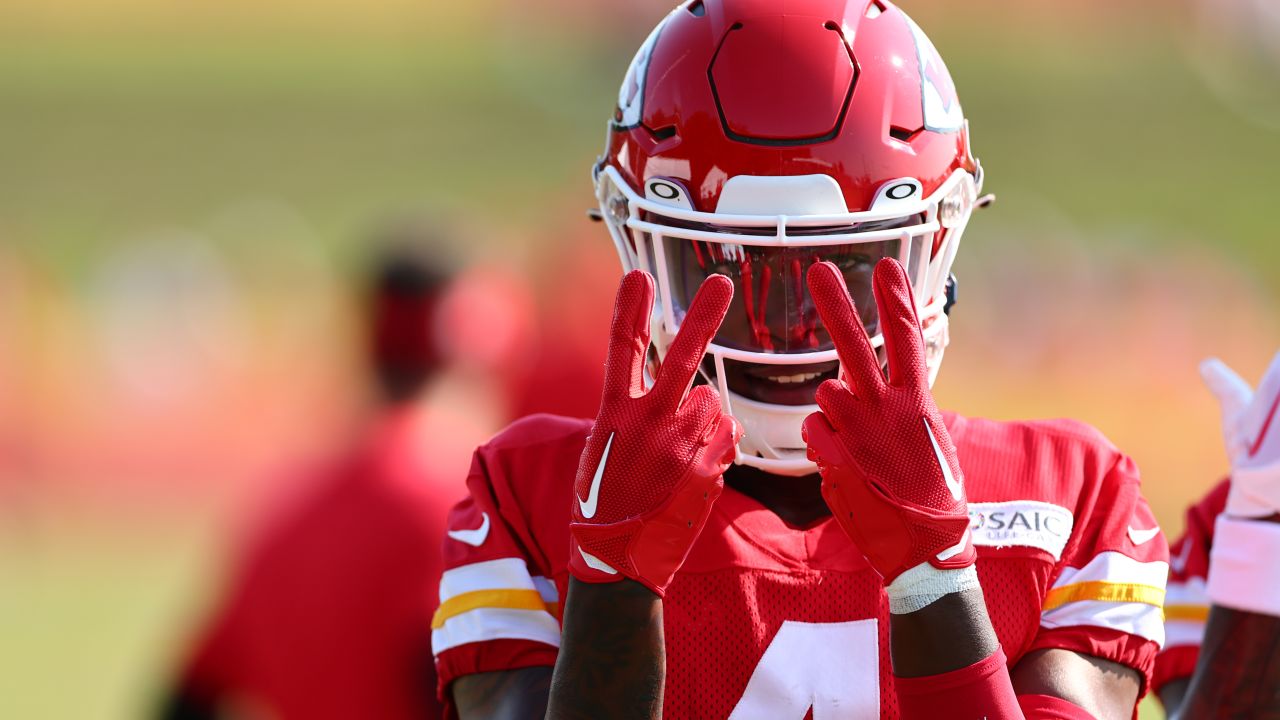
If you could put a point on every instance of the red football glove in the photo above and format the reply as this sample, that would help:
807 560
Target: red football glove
653 464
889 469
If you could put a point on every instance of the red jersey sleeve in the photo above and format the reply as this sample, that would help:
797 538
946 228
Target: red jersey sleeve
499 602
1187 605
221 660
1106 597
210 670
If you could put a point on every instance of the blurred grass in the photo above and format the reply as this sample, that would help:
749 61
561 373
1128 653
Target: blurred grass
92 614
108 133
103 142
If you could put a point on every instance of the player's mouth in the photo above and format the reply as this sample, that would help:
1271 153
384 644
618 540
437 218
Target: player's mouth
779 384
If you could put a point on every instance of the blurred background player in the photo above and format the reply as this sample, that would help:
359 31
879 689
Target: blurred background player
1222 613
557 370
328 613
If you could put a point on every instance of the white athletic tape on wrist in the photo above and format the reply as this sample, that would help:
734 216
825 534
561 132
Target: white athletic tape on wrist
1243 571
924 584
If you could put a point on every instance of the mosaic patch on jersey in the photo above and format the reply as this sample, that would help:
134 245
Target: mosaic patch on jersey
1021 523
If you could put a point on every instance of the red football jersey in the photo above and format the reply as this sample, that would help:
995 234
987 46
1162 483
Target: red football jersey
1187 605
765 620
327 613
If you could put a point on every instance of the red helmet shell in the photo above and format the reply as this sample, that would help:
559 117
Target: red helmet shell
852 90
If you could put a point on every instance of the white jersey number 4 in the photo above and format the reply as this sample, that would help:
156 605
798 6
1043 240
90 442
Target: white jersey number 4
833 668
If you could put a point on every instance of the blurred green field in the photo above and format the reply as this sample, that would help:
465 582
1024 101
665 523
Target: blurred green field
1100 139
89 615
114 132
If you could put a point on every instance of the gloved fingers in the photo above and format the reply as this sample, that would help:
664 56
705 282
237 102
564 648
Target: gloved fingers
833 397
629 335
725 436
701 407
820 437
840 318
738 431
703 418
1232 392
1258 420
899 323
1270 384
699 326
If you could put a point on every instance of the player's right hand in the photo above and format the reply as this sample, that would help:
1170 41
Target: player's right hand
890 472
1251 432
653 464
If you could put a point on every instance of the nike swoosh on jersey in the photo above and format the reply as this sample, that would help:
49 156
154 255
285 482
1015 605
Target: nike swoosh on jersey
957 490
588 506
1179 562
1142 537
474 538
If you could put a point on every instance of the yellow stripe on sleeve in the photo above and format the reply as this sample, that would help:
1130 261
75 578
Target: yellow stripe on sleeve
1188 613
500 599
1103 591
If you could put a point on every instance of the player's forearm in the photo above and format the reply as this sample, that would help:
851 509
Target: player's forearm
947 660
1238 674
952 633
505 695
1172 695
612 661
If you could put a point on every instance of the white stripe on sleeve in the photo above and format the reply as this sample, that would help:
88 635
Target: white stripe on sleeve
1192 592
487 624
1183 633
1116 567
502 574
1139 619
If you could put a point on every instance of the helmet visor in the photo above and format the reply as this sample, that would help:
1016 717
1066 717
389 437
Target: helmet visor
772 311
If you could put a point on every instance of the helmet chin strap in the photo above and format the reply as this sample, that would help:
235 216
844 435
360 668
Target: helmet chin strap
772 440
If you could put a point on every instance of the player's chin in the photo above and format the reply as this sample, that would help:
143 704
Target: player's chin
779 384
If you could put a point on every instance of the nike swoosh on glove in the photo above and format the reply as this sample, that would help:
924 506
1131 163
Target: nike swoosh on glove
1251 432
654 462
889 469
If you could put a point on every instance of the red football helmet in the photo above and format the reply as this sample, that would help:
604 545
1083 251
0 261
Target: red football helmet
755 137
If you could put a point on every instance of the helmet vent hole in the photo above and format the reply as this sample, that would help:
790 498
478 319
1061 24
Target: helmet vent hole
902 134
664 133
697 9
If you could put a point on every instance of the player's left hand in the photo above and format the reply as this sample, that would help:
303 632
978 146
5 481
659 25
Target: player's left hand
889 469
1252 436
